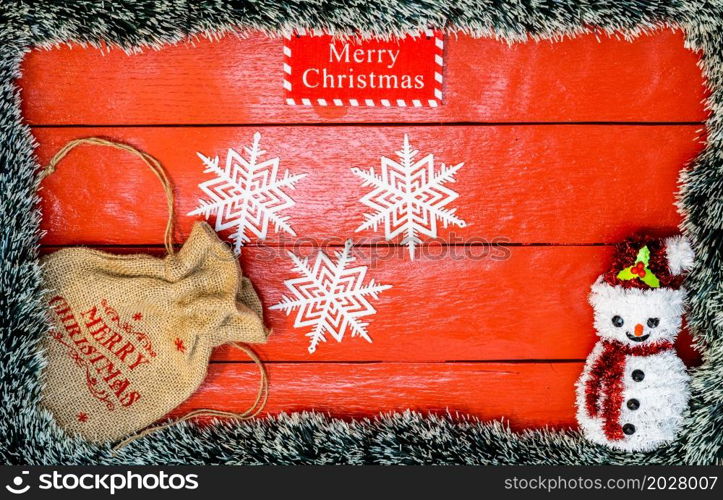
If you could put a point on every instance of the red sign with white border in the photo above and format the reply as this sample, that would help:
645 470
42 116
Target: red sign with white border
321 70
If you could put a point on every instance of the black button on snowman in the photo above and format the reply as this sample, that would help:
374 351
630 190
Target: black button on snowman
634 388
633 404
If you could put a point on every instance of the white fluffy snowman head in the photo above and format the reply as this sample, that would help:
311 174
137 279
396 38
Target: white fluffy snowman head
641 299
634 316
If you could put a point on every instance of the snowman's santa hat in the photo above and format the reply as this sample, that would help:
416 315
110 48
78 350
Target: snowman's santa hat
647 262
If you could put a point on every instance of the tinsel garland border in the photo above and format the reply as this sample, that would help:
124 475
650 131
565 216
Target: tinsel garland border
29 434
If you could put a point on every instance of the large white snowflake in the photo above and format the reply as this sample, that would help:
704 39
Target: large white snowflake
330 297
246 194
409 197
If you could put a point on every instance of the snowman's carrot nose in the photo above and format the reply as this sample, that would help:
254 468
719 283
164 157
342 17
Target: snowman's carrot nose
638 330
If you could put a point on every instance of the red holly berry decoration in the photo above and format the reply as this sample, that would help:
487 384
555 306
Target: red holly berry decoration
638 269
82 417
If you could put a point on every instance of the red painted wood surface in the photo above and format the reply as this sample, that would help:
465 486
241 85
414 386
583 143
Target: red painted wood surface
463 303
455 304
588 78
521 184
461 331
527 394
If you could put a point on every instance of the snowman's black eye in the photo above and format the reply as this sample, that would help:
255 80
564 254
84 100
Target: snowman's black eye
653 322
618 321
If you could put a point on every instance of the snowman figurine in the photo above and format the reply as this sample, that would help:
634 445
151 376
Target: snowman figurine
634 388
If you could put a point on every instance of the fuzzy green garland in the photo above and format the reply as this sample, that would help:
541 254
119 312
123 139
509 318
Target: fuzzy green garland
29 434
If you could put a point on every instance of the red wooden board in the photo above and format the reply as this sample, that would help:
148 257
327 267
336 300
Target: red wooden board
460 332
520 184
528 395
588 78
464 305
514 303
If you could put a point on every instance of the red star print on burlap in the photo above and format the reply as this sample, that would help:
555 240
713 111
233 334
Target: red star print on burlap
82 417
179 345
137 316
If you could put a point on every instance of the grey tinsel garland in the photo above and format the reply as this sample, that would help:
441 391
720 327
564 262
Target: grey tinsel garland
29 435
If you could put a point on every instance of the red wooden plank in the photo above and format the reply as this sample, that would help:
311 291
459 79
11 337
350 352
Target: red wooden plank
454 305
522 184
589 78
459 304
524 394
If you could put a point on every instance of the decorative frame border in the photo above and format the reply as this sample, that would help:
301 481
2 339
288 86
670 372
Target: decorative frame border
30 435
402 103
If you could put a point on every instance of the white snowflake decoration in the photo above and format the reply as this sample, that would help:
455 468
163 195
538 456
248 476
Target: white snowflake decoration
246 194
330 297
409 197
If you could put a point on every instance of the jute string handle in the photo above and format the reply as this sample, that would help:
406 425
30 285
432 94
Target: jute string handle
156 167
262 396
152 163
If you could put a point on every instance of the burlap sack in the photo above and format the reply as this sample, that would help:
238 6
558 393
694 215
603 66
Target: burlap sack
133 334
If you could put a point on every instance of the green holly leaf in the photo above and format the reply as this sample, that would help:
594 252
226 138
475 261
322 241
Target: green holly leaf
650 279
625 274
643 256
